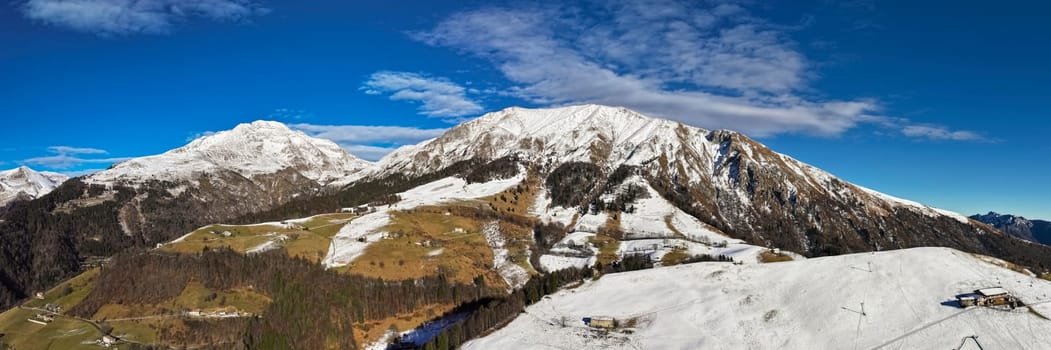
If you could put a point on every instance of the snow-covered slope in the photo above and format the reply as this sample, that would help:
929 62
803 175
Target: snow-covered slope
900 299
26 183
251 149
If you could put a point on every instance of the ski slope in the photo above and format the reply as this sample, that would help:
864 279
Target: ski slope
808 304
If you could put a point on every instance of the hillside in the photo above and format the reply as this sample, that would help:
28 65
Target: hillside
908 298
149 200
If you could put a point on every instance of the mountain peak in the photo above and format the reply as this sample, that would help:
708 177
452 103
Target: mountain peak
249 149
25 182
604 135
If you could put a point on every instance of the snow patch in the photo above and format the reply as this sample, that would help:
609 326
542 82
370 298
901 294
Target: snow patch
514 275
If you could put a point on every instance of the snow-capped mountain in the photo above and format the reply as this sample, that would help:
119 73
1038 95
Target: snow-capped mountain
251 168
26 183
1030 230
140 202
721 177
249 150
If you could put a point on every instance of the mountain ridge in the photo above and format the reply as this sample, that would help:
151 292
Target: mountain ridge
1031 230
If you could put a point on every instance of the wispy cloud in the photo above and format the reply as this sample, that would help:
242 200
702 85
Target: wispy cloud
941 133
369 153
289 114
713 66
368 142
438 97
75 150
65 157
122 17
196 135
77 173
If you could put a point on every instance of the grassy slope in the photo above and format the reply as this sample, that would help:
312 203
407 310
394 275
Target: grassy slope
63 333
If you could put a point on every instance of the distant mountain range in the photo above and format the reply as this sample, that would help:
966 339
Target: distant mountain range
1030 230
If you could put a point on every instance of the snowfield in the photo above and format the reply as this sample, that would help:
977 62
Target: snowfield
900 299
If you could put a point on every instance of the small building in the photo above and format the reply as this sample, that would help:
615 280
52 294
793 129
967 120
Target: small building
107 341
55 308
600 322
993 296
39 295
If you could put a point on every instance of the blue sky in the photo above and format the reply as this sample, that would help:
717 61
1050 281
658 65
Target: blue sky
941 102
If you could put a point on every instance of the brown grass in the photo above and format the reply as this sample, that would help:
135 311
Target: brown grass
607 248
674 257
311 243
770 257
464 255
517 199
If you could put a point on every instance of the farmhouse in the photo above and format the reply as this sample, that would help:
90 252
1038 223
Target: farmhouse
600 322
55 308
993 296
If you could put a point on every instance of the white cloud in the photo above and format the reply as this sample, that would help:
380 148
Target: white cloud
368 142
77 173
369 153
713 67
75 150
65 161
359 134
197 135
122 17
66 157
438 97
937 132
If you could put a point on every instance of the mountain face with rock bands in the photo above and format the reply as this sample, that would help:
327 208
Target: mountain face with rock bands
148 200
721 177
1031 230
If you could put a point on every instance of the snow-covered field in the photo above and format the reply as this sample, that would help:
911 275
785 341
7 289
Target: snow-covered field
886 300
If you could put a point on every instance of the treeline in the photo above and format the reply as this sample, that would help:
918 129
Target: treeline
41 242
500 168
503 310
570 184
359 193
311 308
